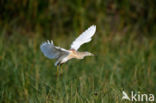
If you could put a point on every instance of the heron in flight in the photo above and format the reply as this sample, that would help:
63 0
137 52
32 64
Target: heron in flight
62 55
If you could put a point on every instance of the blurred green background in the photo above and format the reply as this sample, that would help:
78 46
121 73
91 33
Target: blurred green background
124 46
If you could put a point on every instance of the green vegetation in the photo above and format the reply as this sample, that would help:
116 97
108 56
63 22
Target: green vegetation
120 64
124 47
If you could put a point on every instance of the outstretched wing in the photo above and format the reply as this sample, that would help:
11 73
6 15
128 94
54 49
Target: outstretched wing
51 51
85 37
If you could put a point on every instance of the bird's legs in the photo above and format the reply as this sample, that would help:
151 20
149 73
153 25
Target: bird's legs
57 72
61 69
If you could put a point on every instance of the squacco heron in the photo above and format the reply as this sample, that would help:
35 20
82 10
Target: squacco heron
62 55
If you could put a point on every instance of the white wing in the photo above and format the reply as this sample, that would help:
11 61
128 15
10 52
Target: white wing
85 37
51 51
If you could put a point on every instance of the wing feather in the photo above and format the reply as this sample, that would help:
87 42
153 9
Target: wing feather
51 51
85 37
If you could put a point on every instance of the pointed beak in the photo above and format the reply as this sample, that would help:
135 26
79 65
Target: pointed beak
91 54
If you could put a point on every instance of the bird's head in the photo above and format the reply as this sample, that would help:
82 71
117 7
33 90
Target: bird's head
83 54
